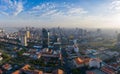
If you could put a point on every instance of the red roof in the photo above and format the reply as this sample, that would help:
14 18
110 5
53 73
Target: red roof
81 60
107 70
90 72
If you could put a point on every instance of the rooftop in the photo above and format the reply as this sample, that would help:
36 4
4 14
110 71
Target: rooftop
108 70
90 72
58 71
25 69
79 60
7 66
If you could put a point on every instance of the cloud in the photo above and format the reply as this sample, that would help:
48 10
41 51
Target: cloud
45 5
115 6
9 7
76 11
43 9
51 12
4 13
18 9
55 9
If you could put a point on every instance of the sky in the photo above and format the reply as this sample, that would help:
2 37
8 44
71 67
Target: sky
62 13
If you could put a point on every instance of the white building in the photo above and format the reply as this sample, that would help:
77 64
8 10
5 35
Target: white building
95 63
76 49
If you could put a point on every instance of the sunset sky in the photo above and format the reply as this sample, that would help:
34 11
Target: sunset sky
63 13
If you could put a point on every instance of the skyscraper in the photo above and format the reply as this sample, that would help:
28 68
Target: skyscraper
45 37
28 34
23 40
118 38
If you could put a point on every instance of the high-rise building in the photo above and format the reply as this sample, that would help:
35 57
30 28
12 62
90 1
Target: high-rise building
2 33
45 37
28 34
118 38
24 40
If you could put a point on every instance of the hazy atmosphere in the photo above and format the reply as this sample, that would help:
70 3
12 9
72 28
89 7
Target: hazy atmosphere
59 36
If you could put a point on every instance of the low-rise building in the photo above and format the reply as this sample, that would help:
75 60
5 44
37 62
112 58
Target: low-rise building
108 70
95 62
115 66
80 62
58 71
7 66
26 70
94 71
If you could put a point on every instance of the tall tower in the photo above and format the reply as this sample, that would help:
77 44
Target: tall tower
45 37
28 34
24 40
118 38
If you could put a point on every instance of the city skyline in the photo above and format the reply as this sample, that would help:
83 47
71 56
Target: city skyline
64 13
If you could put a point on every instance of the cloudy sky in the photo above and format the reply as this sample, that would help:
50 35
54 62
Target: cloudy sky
63 13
